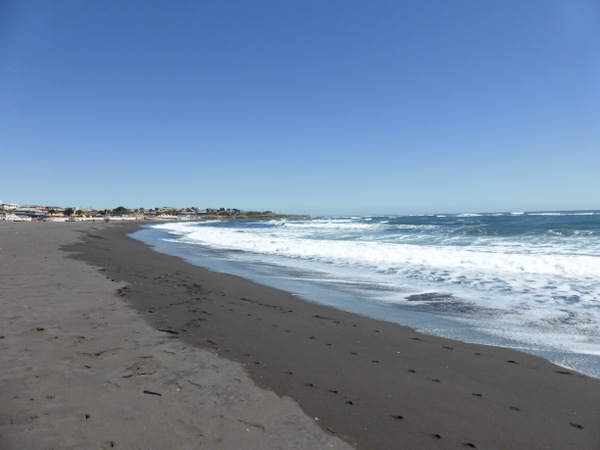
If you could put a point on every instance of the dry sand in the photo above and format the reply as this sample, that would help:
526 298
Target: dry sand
77 360
82 370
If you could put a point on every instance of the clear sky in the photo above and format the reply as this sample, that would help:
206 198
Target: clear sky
301 106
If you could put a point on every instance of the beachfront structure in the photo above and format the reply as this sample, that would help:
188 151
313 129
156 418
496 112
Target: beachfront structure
30 211
8 206
54 211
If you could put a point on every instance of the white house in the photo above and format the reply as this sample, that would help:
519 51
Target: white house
8 206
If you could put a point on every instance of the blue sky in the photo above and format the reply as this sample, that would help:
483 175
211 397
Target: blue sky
301 106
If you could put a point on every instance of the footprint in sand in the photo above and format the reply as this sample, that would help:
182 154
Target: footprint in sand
142 366
111 386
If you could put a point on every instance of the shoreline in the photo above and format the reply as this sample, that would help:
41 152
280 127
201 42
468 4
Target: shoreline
433 310
374 384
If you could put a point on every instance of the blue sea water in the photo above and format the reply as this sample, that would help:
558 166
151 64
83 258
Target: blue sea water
529 281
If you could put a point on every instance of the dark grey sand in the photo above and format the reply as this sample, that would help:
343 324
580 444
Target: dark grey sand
374 384
80 369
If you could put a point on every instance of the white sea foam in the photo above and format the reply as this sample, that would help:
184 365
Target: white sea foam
534 286
506 258
568 213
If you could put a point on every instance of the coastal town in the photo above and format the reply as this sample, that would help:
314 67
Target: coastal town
12 212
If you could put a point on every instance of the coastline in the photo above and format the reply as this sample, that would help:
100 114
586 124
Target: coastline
82 369
374 384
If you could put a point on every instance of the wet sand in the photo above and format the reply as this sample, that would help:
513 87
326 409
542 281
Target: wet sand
374 384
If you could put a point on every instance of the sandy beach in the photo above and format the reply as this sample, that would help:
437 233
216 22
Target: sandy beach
82 370
108 344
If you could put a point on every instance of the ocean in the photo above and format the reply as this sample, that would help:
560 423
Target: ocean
524 280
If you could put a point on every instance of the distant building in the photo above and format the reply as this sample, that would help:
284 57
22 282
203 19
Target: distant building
8 206
54 211
29 211
89 212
